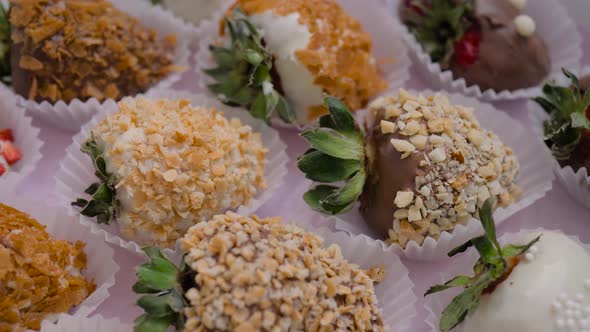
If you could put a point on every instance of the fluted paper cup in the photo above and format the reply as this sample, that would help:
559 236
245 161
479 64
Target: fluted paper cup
76 172
97 323
388 47
196 11
557 29
101 266
577 183
72 115
463 265
26 139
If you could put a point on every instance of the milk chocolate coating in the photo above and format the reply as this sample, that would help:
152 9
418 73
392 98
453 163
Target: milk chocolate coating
21 79
388 173
507 60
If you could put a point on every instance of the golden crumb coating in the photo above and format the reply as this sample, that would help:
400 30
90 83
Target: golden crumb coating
256 274
339 52
63 50
39 275
177 165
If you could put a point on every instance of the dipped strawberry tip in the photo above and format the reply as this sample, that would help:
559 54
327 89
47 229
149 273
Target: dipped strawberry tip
337 154
493 267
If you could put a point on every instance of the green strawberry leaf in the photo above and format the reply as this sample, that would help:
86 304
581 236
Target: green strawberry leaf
342 118
350 192
149 323
516 250
103 204
566 107
464 304
337 154
163 301
458 281
321 167
334 143
316 197
242 76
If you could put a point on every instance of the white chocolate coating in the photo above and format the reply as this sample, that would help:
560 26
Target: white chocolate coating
288 36
544 293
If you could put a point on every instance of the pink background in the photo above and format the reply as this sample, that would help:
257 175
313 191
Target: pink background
555 211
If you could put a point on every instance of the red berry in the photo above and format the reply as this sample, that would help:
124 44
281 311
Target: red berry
6 135
467 49
10 153
2 169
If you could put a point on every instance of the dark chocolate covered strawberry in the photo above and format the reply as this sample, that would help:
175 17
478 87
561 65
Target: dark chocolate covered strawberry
487 43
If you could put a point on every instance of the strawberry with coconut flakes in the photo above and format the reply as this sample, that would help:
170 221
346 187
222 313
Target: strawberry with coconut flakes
9 153
488 43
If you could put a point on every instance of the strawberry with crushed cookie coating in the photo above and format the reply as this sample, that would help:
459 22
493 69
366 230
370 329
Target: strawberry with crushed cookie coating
54 50
39 275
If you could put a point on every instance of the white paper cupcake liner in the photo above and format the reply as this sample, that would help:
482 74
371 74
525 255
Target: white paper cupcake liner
536 177
578 10
71 116
557 30
463 264
195 11
26 139
76 172
385 30
101 266
97 323
577 183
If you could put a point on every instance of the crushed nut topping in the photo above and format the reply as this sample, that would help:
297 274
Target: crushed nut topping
177 165
463 165
256 274
339 52
39 276
67 49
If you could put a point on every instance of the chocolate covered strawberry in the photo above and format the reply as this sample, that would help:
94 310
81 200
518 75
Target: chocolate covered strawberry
420 167
61 50
487 43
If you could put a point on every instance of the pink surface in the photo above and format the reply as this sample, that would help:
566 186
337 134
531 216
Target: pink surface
555 211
